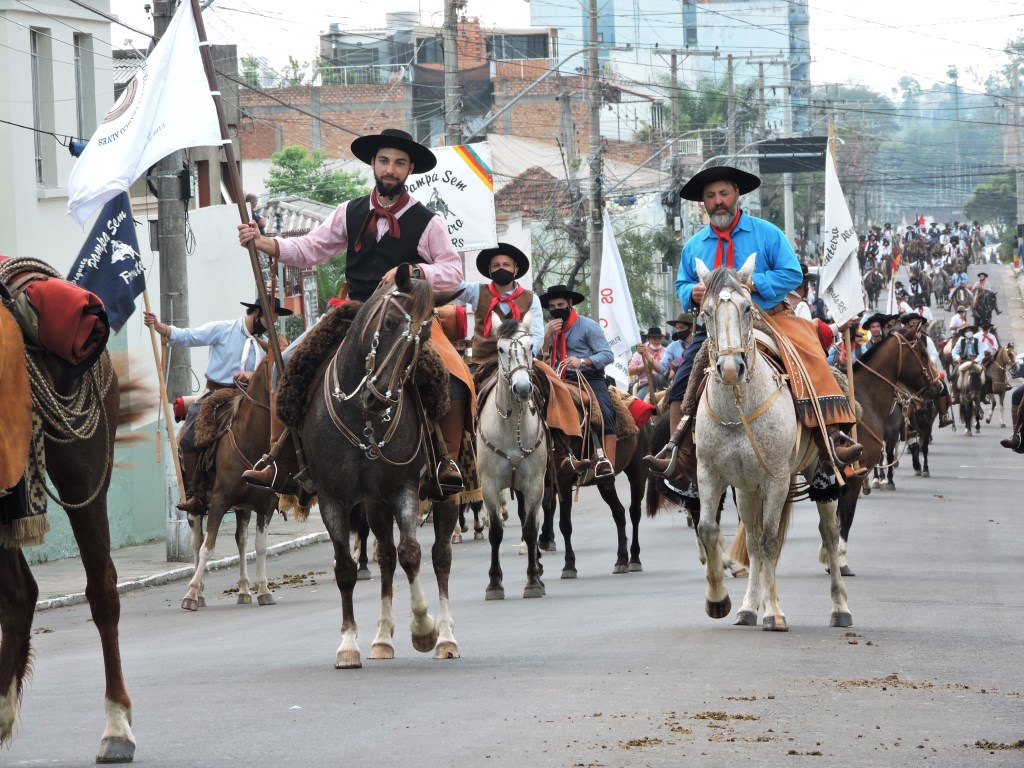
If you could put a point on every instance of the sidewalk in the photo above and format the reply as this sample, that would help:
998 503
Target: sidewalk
62 582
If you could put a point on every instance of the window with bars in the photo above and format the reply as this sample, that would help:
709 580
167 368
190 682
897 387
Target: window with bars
85 85
507 47
41 73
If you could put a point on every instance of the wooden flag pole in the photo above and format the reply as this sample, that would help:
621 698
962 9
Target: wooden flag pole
165 404
846 333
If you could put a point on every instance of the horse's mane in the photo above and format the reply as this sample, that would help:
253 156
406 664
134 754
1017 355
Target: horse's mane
509 329
419 290
722 278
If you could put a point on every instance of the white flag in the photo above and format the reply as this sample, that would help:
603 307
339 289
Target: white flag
839 280
616 313
460 189
166 107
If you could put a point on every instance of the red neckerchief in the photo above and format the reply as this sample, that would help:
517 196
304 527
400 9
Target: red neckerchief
558 345
496 299
725 236
378 211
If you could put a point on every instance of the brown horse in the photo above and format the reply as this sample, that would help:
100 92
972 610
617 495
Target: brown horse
80 417
997 381
243 436
894 364
364 434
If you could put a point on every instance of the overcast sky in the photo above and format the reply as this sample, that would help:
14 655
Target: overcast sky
874 42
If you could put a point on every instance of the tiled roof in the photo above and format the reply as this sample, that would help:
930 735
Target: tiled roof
299 215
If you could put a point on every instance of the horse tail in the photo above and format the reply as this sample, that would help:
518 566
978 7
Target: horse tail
738 551
136 399
659 439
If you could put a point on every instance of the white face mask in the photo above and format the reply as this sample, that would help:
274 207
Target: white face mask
969 335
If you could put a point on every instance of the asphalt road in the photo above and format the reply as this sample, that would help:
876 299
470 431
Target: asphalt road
622 670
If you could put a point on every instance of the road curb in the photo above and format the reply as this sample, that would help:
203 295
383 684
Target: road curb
185 572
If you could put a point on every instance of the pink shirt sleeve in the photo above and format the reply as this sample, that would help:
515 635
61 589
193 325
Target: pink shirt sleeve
322 244
444 265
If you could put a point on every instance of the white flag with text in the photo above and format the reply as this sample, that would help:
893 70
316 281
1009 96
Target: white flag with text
166 107
616 315
839 279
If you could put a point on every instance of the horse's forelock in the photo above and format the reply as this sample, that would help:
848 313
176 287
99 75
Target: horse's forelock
722 279
509 329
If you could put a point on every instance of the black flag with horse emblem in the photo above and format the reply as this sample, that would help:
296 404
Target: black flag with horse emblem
109 263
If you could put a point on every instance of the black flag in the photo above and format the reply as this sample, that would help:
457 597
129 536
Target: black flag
109 264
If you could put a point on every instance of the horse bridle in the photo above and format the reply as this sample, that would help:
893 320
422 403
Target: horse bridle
519 359
392 395
926 367
746 344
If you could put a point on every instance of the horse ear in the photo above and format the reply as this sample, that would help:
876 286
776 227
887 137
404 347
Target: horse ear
403 276
447 297
496 322
527 321
748 268
703 273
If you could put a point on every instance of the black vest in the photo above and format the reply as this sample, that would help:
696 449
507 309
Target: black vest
363 270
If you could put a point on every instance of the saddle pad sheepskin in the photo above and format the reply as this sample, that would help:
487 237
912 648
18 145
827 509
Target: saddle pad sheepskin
207 426
624 424
301 372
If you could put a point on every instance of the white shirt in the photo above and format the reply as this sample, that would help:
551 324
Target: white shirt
987 342
957 321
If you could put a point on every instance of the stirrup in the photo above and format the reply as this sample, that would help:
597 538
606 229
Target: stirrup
449 487
673 461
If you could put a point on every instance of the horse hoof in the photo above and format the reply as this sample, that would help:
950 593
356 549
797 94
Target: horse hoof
190 604
845 570
266 599
522 548
548 546
774 624
841 619
741 573
382 652
497 593
478 535
890 486
926 473
746 619
425 643
621 568
457 537
446 650
917 473
348 660
718 610
533 591
636 567
202 601
244 599
569 573
363 574
115 750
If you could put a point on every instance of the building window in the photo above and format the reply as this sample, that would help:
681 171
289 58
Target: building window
85 85
506 47
42 107
431 51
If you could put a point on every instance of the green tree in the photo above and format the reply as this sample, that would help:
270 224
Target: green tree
294 73
994 202
250 70
293 171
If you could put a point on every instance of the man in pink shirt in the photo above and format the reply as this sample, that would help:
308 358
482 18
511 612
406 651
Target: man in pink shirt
378 232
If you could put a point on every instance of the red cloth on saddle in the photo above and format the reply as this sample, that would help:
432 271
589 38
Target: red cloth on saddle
72 321
825 335
641 411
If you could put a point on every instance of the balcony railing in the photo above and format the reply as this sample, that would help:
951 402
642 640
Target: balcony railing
371 74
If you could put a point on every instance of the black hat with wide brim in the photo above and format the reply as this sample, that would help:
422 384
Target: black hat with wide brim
879 317
560 292
366 147
483 259
694 189
279 310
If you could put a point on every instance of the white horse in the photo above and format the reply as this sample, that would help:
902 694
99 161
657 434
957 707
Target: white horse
512 450
748 436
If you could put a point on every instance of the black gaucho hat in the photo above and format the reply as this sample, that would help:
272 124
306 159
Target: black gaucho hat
483 259
560 292
694 188
365 148
654 331
279 310
879 317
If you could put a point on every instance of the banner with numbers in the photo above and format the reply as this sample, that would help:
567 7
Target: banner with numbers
460 189
616 313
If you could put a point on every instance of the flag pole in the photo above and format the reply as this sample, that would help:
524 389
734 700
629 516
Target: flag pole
846 332
235 182
166 405
235 187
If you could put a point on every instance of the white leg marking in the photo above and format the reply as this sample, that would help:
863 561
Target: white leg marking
8 712
119 722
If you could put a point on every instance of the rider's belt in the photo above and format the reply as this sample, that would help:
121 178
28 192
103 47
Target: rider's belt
215 385
778 309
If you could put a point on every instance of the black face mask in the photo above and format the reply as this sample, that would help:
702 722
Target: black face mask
680 335
561 314
258 327
502 276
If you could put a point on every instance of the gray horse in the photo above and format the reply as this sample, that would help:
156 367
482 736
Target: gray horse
748 436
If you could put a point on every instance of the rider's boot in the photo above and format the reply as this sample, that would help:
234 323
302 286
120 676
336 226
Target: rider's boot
190 475
944 418
565 460
1015 442
265 473
452 424
604 466
678 453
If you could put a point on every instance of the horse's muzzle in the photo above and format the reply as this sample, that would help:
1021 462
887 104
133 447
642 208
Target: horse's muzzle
522 389
731 368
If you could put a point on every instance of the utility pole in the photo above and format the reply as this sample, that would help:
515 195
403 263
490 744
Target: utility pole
676 165
596 223
1018 154
730 108
169 178
761 127
452 90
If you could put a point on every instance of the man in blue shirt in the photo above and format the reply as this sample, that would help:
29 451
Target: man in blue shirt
234 354
577 343
727 241
680 341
